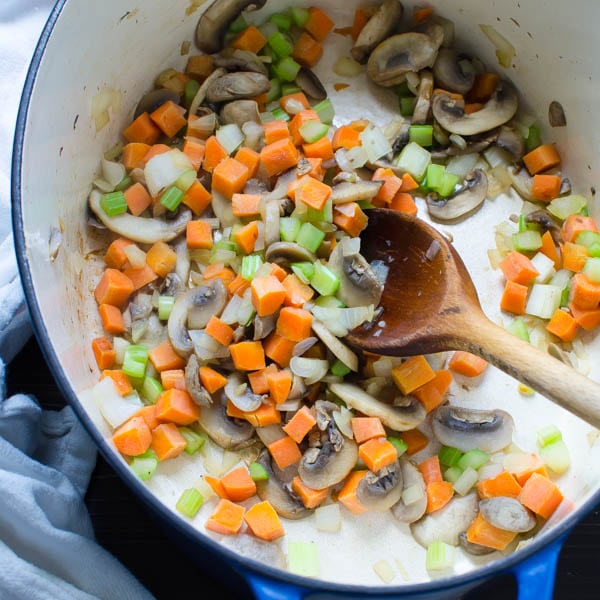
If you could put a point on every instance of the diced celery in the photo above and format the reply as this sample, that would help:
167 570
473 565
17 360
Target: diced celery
190 91
448 184
518 328
452 474
113 203
466 481
280 45
543 300
407 105
592 269
165 306
151 389
286 69
304 271
282 21
189 502
548 435
398 443
587 238
186 179
266 117
414 160
339 369
274 92
124 184
310 237
268 29
250 264
421 134
565 296
312 131
594 250
258 472
439 556
556 456
171 198
325 111
193 440
289 228
289 88
324 280
527 241
474 458
584 212
145 464
299 16
135 361
567 205
329 302
238 25
325 215
534 138
303 558
435 176
280 114
449 456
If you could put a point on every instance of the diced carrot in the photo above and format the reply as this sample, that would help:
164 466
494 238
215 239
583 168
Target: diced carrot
163 357
279 272
173 378
415 440
279 156
276 130
245 205
198 234
219 331
112 319
177 407
248 356
585 293
320 149
212 380
133 155
345 137
404 203
104 353
194 150
250 158
549 249
586 319
258 379
294 323
133 437
214 153
238 484
169 118
310 498
295 185
297 121
140 277
540 495
575 224
467 364
431 470
137 198
285 452
289 102
350 218
263 521
542 158
280 384
229 177
113 288
197 198
391 184
234 412
377 453
307 51
265 414
485 534
120 380
279 349
155 150
545 187
535 465
504 484
250 39
200 66
318 24
347 495
313 193
412 374
296 292
167 441
148 413
518 268
246 236
409 184
268 294
142 130
227 518
218 271
360 20
261 100
574 256
238 286
563 325
439 493
483 87
432 393
161 258
367 428
216 485
300 424
421 14
115 257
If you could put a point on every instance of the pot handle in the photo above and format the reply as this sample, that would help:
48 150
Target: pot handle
270 589
535 575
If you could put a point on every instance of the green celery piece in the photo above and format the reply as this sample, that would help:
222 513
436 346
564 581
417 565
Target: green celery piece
303 558
190 502
325 215
556 456
304 271
587 238
289 227
258 472
339 369
398 443
151 389
250 264
144 464
421 134
407 105
124 184
592 269
534 138
190 91
165 306
113 203
452 474
594 250
193 440
325 111
565 296
439 556
238 25
548 435
324 280
435 176
313 131
289 88
527 241
474 458
171 198
329 302
274 92
299 16
280 114
518 328
280 45
449 456
310 237
286 69
449 181
402 89
135 361
282 21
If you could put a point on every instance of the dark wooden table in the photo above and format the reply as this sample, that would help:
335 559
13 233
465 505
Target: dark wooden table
124 527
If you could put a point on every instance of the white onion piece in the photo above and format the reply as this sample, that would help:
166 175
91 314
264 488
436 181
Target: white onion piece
350 246
113 172
489 471
115 408
543 300
357 157
271 222
164 169
206 347
413 81
374 143
223 209
135 255
458 141
466 481
202 127
230 136
343 420
461 165
311 369
259 244
383 367
345 66
335 346
505 51
384 570
328 518
544 266
341 158
341 320
103 103
103 185
412 494
254 134
289 405
120 345
246 309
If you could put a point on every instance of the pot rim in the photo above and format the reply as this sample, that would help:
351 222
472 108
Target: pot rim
477 575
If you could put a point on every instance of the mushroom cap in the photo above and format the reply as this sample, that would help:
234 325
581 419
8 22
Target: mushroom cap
323 467
423 104
284 253
471 548
507 513
500 108
230 434
411 476
234 59
463 202
467 428
310 84
449 74
240 112
382 490
335 346
236 86
400 54
192 383
240 394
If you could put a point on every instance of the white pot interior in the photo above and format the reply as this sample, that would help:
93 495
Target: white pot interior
98 46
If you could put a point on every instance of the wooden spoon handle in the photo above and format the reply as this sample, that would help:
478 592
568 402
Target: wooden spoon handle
545 374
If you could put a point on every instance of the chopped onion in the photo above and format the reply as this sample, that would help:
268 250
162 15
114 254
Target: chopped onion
115 409
543 300
374 385
544 266
202 127
357 157
383 366
293 106
561 278
103 103
350 246
246 309
230 137
466 481
270 433
138 330
499 181
489 471
135 255
103 185
433 250
328 518
271 220
345 66
120 345
461 165
311 369
289 405
341 158
254 134
374 143
259 244
412 494
113 172
206 347
458 141
384 571
343 420
496 156
164 169
341 320
505 51
567 205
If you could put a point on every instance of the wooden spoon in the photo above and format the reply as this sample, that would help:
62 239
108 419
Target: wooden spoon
430 305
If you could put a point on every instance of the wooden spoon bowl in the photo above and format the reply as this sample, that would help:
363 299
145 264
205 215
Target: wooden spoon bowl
430 305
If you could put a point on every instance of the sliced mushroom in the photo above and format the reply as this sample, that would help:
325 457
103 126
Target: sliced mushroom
234 59
398 418
521 181
448 523
201 93
448 73
337 348
140 306
214 22
382 490
556 114
263 326
237 86
359 285
378 27
193 309
546 221
345 192
141 229
463 202
176 282
254 135
468 428
284 253
283 501
474 145
152 100
401 54
423 104
511 140
500 108
240 112
192 383
507 513
310 84
471 548
240 394
228 433
298 388
411 476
